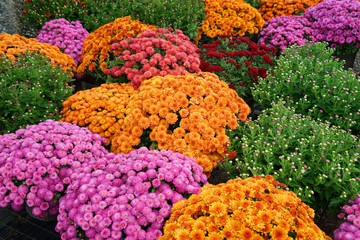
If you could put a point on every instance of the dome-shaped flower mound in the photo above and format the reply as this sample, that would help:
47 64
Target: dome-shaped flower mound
101 109
336 21
283 31
350 229
68 36
153 53
274 8
36 163
185 113
230 17
97 45
254 208
12 45
127 196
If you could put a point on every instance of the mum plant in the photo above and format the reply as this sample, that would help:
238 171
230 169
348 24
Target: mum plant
283 31
12 46
317 161
311 80
254 208
238 61
350 228
274 8
36 164
185 113
37 12
32 90
97 45
337 22
127 196
67 36
152 53
100 109
233 18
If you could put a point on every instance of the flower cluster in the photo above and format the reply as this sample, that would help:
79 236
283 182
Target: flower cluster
254 208
238 61
185 113
36 163
316 161
12 45
152 53
101 109
97 45
283 31
127 196
350 229
32 90
230 18
274 8
336 22
68 36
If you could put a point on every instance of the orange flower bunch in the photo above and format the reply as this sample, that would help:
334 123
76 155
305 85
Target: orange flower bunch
184 113
97 45
100 109
12 45
255 208
274 8
230 17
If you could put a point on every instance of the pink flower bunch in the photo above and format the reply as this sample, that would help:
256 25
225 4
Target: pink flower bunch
127 196
337 22
350 229
283 31
68 36
152 53
36 163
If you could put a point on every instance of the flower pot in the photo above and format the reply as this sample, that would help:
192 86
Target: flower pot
48 218
349 59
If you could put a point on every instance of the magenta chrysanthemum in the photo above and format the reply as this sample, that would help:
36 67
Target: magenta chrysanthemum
36 163
115 196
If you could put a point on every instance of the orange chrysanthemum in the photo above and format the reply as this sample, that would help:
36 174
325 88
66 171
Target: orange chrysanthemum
236 221
101 109
191 129
274 8
230 17
12 45
97 45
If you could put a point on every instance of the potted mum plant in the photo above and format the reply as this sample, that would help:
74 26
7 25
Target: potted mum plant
336 22
36 164
152 53
184 113
127 196
253 208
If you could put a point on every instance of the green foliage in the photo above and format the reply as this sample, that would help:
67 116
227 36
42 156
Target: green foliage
37 12
186 15
32 90
254 3
319 162
311 80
